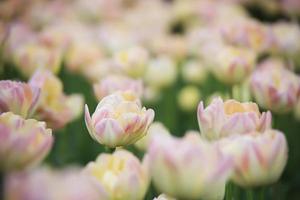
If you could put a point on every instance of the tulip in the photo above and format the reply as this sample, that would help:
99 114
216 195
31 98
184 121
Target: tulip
259 157
45 183
31 56
55 107
19 98
221 119
114 83
24 143
118 120
161 72
132 61
156 129
188 168
119 176
274 87
250 34
230 64
188 98
285 36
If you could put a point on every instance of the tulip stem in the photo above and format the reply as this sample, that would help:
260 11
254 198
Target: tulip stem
229 189
249 194
261 194
1 185
109 150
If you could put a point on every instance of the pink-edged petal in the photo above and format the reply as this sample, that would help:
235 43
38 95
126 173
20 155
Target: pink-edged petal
239 123
88 122
109 132
265 121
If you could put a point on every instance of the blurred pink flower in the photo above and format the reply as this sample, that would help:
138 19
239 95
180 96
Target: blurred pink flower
55 107
188 168
19 98
118 176
259 157
24 143
48 184
114 83
230 64
275 87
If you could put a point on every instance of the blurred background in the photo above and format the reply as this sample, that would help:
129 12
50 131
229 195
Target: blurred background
182 51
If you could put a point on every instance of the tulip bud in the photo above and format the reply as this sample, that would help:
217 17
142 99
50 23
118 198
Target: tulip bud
119 176
24 143
55 107
259 157
161 72
274 87
156 129
221 119
19 98
132 61
114 83
188 168
118 120
188 98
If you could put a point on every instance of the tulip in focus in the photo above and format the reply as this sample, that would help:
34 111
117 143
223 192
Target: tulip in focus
118 120
114 83
24 143
119 176
188 168
275 87
55 107
221 119
259 157
19 98
156 129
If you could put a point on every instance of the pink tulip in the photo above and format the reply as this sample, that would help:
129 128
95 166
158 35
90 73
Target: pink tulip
23 143
221 119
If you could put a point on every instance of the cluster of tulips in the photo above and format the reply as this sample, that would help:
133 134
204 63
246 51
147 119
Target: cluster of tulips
130 52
